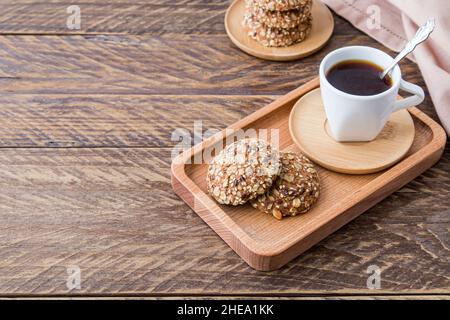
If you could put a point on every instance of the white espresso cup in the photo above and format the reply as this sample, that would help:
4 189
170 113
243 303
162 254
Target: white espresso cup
361 118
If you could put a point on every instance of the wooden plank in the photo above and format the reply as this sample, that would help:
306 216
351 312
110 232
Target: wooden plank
168 64
118 17
135 17
74 120
112 212
115 121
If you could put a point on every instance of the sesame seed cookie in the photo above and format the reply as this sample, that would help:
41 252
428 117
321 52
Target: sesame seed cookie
295 190
242 171
275 37
279 5
280 19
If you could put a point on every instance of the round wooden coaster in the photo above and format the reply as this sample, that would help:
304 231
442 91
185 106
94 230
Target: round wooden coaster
322 29
309 130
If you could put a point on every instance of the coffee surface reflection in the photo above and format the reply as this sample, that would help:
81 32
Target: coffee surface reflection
358 77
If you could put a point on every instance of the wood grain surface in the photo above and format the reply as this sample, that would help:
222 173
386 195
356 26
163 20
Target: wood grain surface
85 148
114 16
76 120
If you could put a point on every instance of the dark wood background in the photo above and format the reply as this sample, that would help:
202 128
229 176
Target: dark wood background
86 118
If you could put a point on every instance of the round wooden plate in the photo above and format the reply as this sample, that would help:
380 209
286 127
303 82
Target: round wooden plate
322 29
309 130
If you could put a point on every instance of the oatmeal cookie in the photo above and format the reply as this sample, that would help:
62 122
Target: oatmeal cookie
280 19
242 171
294 191
279 5
276 37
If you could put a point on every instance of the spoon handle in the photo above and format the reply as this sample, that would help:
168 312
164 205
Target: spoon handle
421 35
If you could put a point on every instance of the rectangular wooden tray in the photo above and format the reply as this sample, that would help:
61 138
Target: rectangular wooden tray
266 243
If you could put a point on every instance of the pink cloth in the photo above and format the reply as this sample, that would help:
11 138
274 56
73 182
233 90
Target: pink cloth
399 21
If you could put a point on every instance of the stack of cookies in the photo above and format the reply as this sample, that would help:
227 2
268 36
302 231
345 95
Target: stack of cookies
278 23
251 170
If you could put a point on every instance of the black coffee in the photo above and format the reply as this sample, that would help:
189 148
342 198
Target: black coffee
358 77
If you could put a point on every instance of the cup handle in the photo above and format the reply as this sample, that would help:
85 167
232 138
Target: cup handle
417 96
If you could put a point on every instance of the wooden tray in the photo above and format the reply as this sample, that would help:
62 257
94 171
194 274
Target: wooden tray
266 243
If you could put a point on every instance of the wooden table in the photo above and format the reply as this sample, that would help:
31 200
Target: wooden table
86 118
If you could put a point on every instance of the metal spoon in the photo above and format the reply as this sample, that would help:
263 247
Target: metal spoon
421 35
